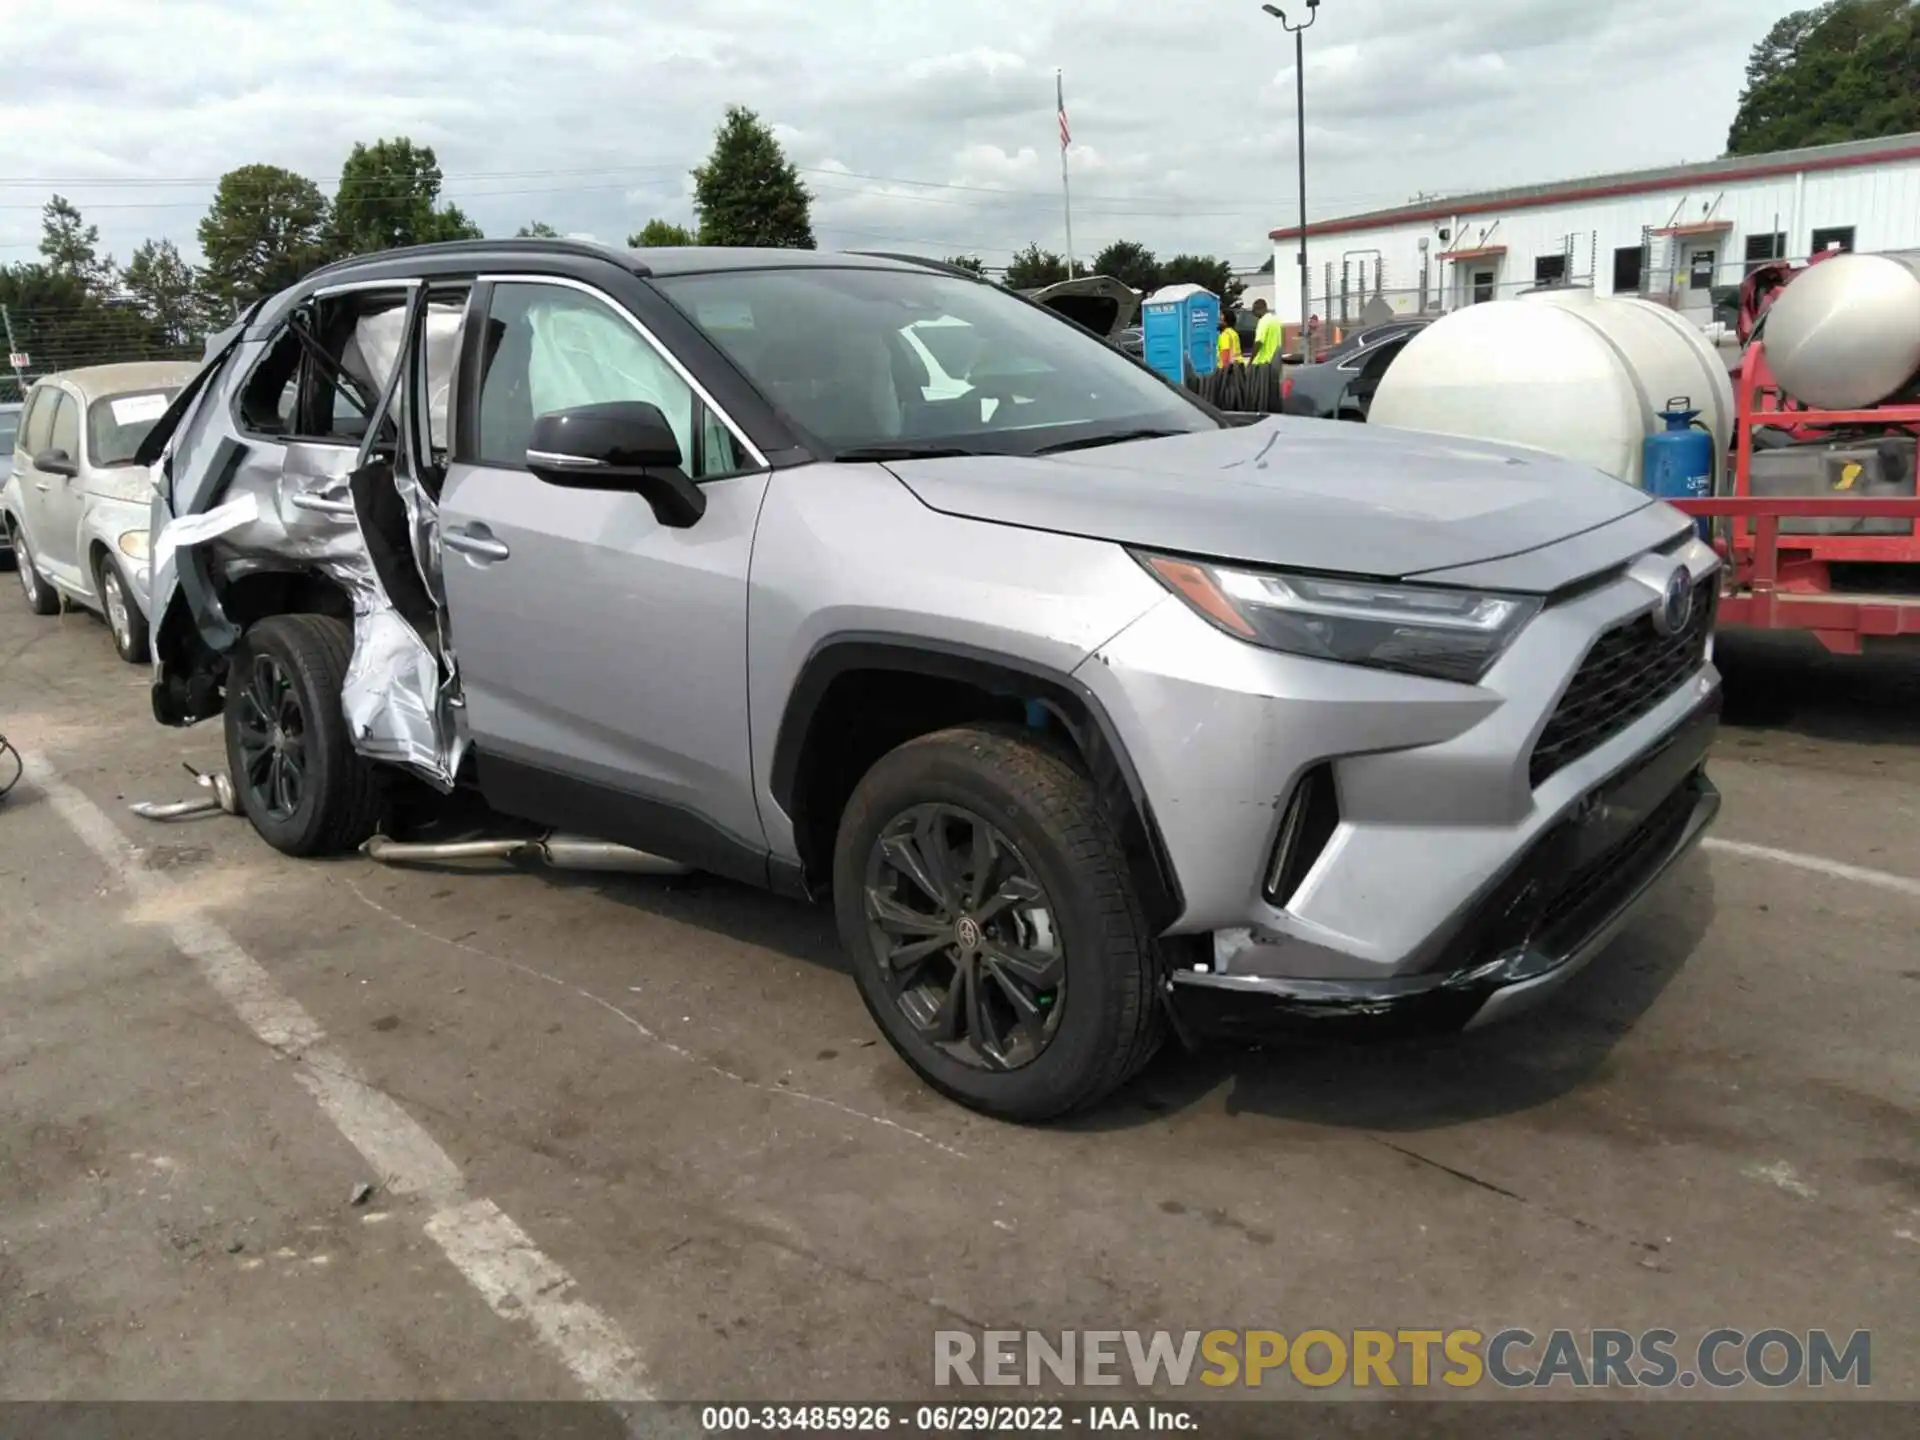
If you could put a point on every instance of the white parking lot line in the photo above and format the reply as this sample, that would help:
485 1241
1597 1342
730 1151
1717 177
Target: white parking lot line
1818 865
516 1279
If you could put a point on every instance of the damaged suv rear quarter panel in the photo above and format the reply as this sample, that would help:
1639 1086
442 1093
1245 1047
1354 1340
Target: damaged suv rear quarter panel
238 502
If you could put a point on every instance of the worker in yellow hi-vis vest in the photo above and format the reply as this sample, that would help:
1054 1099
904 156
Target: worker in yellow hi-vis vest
1229 341
1266 334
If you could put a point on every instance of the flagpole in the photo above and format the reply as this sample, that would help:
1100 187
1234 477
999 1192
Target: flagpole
1066 195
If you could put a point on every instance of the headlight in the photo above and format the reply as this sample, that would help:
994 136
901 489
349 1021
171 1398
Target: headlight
1423 629
134 544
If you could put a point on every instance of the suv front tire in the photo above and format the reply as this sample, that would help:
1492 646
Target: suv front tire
996 935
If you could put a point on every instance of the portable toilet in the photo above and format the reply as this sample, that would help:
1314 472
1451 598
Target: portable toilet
1180 331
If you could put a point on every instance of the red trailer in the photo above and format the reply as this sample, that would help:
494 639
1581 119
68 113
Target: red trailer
1847 589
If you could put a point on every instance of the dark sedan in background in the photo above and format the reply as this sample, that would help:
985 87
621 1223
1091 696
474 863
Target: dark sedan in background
1341 386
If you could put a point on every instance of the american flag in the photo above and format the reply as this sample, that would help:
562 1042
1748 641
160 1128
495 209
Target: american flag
1060 96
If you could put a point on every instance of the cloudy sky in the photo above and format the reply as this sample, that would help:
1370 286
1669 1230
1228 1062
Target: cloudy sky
920 124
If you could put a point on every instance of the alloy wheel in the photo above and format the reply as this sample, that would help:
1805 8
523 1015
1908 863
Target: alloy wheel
115 597
965 937
23 563
273 740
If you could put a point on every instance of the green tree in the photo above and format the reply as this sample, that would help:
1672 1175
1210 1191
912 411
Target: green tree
538 230
72 247
1034 267
1129 262
265 229
661 232
389 196
62 325
972 263
748 192
1209 272
166 292
1847 70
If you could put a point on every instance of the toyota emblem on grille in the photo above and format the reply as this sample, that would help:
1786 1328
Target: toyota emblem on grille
1676 604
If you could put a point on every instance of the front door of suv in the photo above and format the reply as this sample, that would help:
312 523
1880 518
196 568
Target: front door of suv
602 655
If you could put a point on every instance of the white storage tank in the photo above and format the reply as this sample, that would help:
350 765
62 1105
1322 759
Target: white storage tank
1846 333
1564 371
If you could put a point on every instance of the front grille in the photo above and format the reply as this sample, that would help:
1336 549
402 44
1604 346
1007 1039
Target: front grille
1628 672
1587 895
1549 906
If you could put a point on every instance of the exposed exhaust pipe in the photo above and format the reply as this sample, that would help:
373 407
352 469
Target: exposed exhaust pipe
223 801
561 852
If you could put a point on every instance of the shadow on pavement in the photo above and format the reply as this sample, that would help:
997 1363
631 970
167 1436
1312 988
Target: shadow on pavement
1789 682
1430 1082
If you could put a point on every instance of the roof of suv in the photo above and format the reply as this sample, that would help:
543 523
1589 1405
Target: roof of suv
664 260
454 256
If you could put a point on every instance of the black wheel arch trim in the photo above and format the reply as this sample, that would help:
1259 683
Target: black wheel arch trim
1070 701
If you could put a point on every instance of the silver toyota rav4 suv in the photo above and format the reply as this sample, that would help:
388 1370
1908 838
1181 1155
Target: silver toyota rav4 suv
1097 713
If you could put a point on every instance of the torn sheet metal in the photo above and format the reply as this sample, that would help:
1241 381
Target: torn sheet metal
399 706
289 506
401 697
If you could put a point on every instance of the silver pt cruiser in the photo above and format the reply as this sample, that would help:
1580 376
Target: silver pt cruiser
1095 712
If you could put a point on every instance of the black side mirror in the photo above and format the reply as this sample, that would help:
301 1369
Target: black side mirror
55 462
620 445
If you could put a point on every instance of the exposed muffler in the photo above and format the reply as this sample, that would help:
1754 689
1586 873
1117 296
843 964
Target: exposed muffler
561 852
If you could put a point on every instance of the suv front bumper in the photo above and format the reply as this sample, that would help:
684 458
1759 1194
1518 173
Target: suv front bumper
1538 926
1459 879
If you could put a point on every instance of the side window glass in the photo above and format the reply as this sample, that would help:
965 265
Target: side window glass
37 433
270 398
552 349
66 426
719 451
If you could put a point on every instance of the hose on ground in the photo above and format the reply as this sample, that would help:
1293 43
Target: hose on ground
1247 389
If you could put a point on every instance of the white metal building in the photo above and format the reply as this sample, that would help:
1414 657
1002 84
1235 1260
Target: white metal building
1671 234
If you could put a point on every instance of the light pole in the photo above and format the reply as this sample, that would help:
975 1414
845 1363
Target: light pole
1300 81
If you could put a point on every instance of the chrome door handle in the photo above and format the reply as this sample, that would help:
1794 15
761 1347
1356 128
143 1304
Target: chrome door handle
42 486
320 505
477 542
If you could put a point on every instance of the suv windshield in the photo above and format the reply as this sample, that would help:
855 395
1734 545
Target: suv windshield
116 424
887 360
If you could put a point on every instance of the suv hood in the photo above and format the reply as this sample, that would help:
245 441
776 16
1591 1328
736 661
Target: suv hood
1307 494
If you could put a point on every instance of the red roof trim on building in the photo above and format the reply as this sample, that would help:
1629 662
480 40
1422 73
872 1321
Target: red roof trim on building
1702 227
1484 252
1574 193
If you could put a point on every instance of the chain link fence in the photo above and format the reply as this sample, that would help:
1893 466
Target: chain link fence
43 343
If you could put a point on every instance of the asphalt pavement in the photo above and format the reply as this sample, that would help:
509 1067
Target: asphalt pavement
631 1136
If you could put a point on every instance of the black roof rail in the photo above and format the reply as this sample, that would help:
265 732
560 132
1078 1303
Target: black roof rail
926 262
537 245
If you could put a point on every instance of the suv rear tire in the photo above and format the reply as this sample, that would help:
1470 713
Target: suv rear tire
1033 889
303 786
